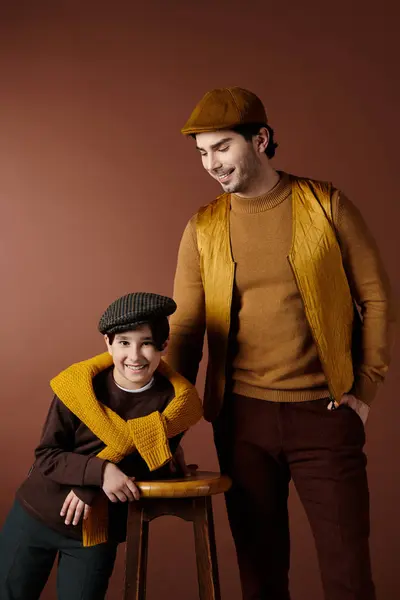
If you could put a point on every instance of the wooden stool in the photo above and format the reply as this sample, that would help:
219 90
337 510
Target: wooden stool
188 498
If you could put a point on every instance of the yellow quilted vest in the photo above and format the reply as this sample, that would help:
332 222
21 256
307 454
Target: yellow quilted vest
317 266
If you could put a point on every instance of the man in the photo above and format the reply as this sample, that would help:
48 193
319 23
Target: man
286 279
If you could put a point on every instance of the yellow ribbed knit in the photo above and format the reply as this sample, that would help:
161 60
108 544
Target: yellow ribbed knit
148 435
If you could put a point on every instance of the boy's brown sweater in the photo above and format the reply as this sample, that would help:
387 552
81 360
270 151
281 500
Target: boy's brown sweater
66 456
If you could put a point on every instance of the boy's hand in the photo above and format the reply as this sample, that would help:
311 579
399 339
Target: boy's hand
117 485
178 464
73 508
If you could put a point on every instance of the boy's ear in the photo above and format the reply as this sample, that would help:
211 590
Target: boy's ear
165 346
109 346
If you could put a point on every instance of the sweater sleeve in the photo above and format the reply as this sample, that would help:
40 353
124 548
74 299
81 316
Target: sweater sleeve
87 494
370 288
185 348
55 457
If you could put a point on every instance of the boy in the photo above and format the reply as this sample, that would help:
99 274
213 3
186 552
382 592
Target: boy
114 418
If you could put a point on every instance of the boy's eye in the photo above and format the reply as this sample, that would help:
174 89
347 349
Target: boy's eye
124 343
224 149
148 343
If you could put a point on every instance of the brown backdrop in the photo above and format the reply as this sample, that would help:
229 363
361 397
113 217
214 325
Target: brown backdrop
96 185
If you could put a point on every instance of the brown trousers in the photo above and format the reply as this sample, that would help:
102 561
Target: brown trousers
262 445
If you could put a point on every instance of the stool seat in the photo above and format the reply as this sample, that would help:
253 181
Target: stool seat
202 483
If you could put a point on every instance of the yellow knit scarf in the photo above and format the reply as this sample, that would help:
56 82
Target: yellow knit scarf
148 435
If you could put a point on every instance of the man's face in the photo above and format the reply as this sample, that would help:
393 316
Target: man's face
234 162
135 357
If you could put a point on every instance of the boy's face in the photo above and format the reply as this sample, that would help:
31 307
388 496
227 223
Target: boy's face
135 357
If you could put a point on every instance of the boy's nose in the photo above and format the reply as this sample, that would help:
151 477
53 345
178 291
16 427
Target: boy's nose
134 354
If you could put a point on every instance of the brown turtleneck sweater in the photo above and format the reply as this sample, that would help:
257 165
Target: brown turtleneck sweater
272 353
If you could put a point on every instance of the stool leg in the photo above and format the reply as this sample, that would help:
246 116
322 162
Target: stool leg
206 552
136 553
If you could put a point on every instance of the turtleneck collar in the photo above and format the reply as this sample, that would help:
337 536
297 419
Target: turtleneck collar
278 194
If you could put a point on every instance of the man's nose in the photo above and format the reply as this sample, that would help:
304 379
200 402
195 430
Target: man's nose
213 162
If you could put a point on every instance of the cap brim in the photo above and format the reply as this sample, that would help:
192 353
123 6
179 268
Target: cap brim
192 130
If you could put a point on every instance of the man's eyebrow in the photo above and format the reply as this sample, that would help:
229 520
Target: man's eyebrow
217 144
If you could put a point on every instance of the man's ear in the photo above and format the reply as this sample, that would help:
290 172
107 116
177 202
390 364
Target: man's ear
262 140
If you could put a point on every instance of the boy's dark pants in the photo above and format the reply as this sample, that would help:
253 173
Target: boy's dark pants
28 549
262 445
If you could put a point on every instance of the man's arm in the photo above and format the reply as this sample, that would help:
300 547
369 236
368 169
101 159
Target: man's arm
370 288
185 348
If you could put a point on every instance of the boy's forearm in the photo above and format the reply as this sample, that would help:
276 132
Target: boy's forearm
69 468
87 494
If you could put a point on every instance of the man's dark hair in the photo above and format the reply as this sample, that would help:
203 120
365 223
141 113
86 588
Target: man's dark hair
159 331
248 131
